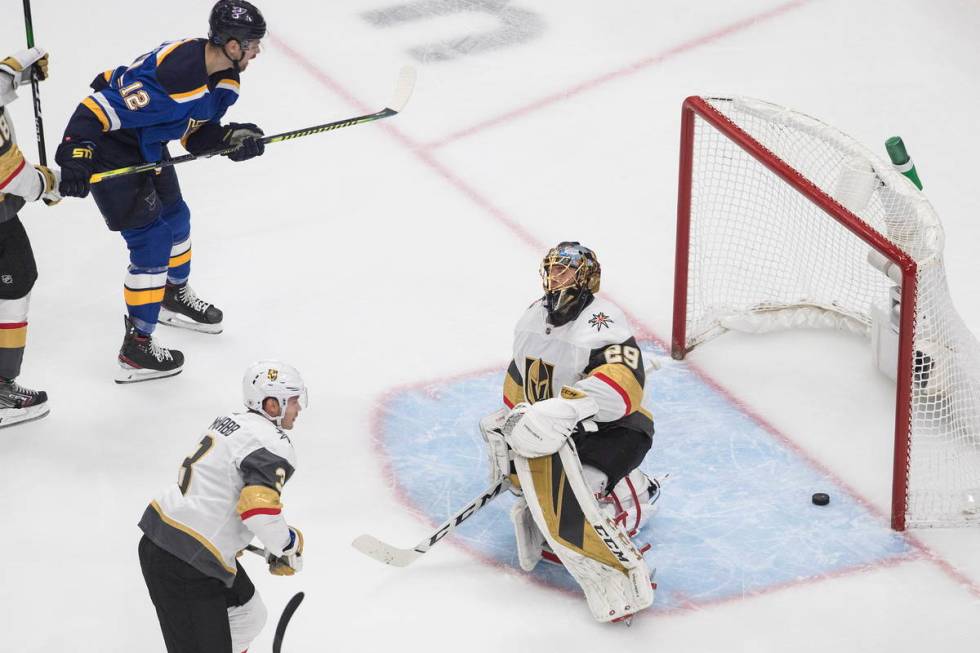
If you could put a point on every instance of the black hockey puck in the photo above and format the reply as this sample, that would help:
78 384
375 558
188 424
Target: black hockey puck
820 499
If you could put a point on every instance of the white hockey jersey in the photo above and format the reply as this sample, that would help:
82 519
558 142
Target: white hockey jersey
595 353
19 181
227 492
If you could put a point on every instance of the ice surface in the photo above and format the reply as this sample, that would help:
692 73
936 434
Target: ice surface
392 260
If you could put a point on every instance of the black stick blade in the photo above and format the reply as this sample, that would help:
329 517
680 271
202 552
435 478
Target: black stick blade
287 614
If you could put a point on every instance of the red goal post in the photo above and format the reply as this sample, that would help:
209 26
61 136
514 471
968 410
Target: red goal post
759 187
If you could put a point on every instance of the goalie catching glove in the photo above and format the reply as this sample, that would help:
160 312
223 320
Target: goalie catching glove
291 560
540 429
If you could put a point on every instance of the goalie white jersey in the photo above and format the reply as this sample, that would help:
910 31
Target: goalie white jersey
227 492
595 353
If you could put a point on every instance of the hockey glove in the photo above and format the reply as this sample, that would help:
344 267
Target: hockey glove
498 453
542 428
77 161
291 559
246 137
18 66
51 180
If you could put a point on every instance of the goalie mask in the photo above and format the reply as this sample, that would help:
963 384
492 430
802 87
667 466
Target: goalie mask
570 275
275 380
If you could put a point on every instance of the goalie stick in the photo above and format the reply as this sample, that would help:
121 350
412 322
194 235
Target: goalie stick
396 557
403 91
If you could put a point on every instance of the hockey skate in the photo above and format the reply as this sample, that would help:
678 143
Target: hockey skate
19 404
141 359
183 309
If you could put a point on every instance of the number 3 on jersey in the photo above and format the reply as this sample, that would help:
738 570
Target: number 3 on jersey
187 468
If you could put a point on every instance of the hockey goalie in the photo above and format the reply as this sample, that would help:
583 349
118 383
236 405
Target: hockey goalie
573 435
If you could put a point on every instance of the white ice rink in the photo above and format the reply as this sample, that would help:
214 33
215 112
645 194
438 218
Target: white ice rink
401 253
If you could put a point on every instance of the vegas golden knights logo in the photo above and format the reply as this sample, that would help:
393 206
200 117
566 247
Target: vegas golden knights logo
537 379
272 374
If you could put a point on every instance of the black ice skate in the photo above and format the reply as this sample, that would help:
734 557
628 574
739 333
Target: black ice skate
183 309
19 404
141 359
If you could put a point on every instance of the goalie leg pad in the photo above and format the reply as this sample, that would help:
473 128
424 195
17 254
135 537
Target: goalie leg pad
596 551
529 538
634 499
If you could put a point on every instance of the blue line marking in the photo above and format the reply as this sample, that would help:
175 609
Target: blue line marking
735 515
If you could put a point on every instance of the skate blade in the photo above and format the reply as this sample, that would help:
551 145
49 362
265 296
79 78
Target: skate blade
12 416
127 374
177 320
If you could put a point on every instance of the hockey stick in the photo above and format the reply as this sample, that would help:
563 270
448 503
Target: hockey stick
391 555
403 91
287 614
42 152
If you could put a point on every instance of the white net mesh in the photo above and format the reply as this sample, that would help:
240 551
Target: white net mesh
763 256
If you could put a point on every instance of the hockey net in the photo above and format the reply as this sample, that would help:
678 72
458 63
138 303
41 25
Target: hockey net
786 222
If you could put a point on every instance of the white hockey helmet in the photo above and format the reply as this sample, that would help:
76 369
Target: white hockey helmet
265 379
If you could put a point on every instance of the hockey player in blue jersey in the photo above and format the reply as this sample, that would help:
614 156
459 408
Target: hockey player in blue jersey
180 90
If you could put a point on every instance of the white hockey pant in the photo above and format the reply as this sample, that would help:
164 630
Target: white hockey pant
246 622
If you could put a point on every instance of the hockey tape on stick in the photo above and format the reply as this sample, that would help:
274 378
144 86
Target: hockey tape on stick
396 557
403 91
287 614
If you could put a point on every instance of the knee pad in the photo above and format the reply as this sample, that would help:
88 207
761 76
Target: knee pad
150 245
18 270
246 622
178 216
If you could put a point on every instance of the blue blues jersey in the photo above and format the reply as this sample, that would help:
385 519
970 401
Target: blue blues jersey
164 95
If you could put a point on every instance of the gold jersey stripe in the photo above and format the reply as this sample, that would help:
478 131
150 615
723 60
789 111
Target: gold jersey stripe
166 52
94 107
257 497
624 382
13 63
142 297
10 162
200 90
513 391
212 549
13 338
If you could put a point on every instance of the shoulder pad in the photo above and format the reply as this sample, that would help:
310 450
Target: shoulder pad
600 323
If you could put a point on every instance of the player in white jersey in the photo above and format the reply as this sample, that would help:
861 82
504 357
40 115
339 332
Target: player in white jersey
573 435
227 493
20 182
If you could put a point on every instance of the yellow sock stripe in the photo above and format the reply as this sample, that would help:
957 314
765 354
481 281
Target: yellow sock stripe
13 338
180 259
197 536
142 297
94 107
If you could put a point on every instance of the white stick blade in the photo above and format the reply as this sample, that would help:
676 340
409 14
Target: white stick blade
403 88
375 548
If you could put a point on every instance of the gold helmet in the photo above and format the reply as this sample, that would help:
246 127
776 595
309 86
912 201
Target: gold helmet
570 275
